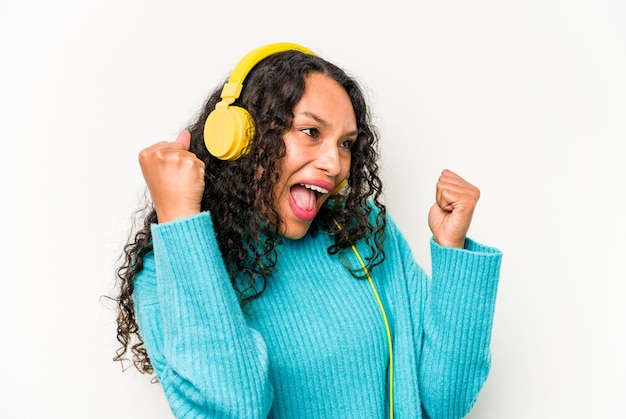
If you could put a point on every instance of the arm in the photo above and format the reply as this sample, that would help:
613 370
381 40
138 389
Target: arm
458 314
209 363
457 323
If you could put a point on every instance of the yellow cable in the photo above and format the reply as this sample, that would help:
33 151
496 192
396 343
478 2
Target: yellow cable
384 315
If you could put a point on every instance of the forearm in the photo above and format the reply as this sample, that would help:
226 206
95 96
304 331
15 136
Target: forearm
457 328
209 362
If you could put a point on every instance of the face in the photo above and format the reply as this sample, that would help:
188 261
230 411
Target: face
317 155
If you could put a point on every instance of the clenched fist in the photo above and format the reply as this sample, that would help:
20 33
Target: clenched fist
450 217
175 178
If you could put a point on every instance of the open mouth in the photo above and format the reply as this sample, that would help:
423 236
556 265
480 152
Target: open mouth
305 199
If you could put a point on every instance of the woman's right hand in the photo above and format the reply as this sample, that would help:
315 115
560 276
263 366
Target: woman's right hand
175 178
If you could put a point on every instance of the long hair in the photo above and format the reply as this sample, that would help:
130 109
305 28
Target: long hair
240 194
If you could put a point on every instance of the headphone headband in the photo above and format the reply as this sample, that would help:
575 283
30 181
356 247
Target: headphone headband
252 58
229 129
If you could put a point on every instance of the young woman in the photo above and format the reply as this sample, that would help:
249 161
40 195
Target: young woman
262 286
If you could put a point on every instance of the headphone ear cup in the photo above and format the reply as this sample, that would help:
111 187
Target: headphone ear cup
339 187
228 132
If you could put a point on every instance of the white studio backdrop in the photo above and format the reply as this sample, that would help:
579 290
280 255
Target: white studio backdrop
526 99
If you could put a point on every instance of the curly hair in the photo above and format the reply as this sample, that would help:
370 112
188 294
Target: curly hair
239 194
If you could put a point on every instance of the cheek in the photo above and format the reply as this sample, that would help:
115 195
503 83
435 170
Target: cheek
346 164
288 165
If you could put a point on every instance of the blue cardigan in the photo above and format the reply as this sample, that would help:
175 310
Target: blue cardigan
314 345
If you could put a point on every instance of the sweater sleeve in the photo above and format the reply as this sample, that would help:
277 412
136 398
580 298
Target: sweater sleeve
207 359
457 323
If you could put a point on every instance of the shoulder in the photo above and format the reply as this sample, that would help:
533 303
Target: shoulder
392 236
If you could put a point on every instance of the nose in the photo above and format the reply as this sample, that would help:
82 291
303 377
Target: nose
328 159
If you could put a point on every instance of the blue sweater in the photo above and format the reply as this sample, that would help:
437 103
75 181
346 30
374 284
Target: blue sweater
314 344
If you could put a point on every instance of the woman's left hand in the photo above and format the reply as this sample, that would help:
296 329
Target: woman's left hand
450 217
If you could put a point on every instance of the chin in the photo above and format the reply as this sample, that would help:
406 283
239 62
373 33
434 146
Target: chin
295 232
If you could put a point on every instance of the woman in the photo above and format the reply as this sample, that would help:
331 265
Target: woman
248 289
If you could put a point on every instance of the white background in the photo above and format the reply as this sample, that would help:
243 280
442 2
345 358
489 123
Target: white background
526 99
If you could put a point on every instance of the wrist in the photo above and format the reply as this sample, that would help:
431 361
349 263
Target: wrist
165 216
458 244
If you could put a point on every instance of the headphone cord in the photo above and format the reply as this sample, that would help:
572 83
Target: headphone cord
384 316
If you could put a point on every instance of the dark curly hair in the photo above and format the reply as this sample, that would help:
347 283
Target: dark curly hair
239 194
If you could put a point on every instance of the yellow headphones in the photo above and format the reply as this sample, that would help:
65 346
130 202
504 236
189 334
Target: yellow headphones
229 130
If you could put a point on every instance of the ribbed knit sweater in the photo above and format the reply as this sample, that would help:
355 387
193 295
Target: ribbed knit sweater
313 345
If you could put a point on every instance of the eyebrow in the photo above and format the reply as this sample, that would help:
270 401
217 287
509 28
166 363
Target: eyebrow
323 122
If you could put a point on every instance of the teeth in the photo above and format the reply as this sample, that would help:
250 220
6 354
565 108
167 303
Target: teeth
315 188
